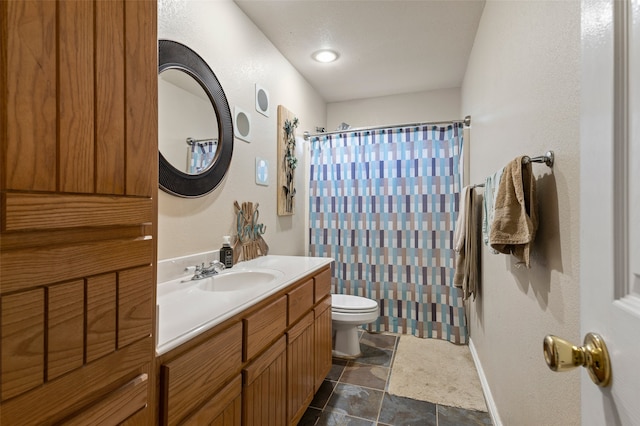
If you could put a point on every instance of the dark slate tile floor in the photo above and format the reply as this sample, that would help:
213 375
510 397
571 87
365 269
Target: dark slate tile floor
354 394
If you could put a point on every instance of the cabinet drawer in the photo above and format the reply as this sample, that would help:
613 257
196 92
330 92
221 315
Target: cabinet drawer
322 285
300 300
264 326
194 377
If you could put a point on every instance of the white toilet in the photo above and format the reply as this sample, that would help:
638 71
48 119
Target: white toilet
347 313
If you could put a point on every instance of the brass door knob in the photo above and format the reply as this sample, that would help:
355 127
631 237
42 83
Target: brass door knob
561 355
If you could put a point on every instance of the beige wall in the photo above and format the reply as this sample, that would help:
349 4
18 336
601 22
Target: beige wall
240 56
522 90
436 105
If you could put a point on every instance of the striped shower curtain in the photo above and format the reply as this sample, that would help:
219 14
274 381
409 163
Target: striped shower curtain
383 204
200 155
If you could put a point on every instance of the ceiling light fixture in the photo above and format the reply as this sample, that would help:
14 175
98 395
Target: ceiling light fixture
325 55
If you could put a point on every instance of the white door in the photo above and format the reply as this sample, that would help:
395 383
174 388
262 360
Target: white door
610 204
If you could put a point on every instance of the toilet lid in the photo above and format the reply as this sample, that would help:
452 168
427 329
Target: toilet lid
348 303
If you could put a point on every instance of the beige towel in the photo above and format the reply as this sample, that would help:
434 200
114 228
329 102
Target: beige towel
515 219
467 273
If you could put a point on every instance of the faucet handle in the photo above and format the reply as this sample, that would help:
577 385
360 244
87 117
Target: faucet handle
217 263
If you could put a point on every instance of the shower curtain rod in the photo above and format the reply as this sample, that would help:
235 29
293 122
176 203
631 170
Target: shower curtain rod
466 121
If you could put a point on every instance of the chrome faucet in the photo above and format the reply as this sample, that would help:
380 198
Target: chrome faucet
207 271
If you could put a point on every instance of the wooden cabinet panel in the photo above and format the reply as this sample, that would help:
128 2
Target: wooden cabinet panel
110 108
223 409
135 305
68 394
232 415
37 239
264 326
190 379
75 96
70 126
51 211
322 285
91 258
300 373
141 97
300 301
264 396
65 328
22 328
30 87
117 406
323 341
101 316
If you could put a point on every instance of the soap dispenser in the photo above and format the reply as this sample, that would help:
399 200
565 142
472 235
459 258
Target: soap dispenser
226 252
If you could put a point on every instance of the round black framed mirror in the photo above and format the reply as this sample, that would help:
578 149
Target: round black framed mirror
213 149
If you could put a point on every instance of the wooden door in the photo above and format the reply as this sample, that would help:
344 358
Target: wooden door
610 204
78 185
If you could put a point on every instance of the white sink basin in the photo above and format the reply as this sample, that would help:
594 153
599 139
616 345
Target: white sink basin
239 280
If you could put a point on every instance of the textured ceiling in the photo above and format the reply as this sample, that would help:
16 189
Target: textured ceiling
386 47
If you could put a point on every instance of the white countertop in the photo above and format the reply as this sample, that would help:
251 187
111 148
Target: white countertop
184 310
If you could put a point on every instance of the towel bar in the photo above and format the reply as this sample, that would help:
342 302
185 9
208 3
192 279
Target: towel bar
546 159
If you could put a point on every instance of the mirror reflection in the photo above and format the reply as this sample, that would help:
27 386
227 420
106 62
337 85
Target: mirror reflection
188 127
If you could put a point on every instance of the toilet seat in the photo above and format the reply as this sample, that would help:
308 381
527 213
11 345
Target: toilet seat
347 314
344 303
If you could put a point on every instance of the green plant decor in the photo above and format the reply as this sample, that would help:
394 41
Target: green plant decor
290 162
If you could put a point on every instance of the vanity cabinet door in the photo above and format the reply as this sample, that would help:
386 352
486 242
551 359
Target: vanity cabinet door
224 409
323 341
264 396
196 376
300 372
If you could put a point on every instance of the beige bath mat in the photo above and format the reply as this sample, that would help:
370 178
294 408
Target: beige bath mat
437 371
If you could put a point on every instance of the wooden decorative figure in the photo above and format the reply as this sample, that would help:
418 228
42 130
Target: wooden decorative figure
287 161
249 243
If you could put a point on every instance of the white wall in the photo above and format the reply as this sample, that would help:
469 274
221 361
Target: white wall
240 56
436 105
522 90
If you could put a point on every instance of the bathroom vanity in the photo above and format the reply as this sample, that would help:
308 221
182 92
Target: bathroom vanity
247 353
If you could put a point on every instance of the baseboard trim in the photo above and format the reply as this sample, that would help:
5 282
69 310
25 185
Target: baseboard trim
491 404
